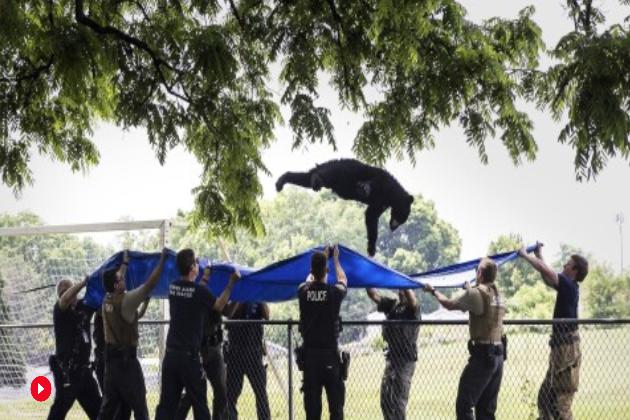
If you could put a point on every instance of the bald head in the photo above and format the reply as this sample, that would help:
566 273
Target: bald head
62 286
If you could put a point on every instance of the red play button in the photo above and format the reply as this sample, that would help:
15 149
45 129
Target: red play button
40 389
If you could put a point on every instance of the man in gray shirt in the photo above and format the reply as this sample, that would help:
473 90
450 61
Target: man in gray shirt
402 351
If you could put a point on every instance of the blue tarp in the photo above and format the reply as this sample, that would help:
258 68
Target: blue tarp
279 281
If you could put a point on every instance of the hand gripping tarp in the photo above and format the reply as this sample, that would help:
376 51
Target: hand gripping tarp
279 281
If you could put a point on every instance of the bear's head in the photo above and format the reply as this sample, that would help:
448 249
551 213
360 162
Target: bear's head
400 211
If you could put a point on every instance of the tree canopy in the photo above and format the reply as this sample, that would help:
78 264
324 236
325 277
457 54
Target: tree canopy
197 73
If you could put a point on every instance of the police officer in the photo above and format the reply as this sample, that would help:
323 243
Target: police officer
190 305
123 412
481 379
70 365
244 357
213 364
562 379
402 351
320 303
124 381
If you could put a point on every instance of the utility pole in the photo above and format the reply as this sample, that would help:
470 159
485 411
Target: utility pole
620 221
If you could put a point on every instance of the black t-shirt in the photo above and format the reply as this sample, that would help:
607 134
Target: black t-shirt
401 340
72 333
248 337
319 313
566 303
190 305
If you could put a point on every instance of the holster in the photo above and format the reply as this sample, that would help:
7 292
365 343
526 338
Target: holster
60 373
504 340
486 352
345 365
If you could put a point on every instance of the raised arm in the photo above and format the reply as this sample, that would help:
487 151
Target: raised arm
134 298
341 275
122 270
265 311
231 308
410 299
220 303
207 272
373 295
66 298
548 274
154 277
444 301
143 308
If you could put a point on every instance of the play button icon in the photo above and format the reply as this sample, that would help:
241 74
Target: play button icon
40 388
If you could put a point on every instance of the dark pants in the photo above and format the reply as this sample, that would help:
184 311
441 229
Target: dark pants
182 370
395 388
123 412
479 384
214 366
245 362
79 385
323 370
124 385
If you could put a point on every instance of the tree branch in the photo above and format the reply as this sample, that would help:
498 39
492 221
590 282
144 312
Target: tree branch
339 21
158 62
237 14
109 30
143 10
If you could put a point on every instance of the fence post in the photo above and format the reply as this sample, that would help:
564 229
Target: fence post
290 368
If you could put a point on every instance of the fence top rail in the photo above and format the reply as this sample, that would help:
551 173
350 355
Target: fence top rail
288 322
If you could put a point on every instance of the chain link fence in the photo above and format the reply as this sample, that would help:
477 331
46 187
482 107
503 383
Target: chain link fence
442 353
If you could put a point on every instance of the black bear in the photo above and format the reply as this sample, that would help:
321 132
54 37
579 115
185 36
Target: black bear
354 180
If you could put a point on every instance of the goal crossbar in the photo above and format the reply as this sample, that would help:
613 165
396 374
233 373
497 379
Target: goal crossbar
84 228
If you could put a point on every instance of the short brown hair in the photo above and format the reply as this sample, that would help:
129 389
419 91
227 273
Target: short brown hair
185 261
581 267
488 269
318 264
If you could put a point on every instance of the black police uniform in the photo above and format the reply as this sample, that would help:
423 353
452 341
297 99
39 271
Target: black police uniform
190 305
70 365
124 412
244 357
214 366
320 325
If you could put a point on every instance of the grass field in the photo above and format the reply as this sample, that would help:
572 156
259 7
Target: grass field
604 388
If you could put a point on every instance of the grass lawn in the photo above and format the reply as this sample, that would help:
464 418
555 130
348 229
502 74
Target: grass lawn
603 393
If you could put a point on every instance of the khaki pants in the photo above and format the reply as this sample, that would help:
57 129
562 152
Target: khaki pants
561 382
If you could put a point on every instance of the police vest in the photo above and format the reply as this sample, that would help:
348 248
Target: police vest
118 331
319 315
488 327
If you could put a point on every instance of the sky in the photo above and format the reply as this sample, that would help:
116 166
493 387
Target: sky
539 200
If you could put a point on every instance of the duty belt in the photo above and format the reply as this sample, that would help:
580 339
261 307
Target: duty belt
186 352
312 352
485 349
120 353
